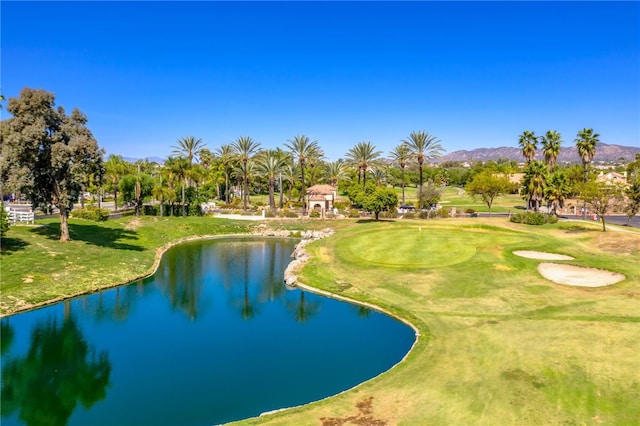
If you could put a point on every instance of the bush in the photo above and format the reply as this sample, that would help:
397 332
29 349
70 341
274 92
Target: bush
354 213
287 213
314 213
91 213
533 218
409 215
389 214
444 212
4 222
269 213
469 211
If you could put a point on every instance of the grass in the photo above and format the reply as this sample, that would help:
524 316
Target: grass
498 343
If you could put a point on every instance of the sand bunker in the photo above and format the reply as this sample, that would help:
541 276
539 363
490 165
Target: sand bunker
578 276
541 255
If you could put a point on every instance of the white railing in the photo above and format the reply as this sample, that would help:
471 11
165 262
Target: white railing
20 216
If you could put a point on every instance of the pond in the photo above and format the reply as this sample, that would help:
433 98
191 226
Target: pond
213 336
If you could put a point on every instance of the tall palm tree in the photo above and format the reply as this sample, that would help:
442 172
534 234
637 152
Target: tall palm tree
586 143
534 183
400 155
179 167
301 147
423 146
115 168
316 156
362 155
225 154
551 142
270 163
189 147
245 148
528 142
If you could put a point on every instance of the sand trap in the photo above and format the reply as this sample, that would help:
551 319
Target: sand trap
578 276
541 255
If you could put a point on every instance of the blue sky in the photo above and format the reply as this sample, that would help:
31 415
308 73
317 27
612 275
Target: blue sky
474 74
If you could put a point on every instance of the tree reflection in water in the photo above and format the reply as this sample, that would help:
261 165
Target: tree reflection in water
59 370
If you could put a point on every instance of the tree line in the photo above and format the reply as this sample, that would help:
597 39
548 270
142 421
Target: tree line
52 158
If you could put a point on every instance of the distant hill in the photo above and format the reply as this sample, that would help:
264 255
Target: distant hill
568 154
151 159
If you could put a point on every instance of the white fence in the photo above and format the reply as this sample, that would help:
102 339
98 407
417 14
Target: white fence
20 216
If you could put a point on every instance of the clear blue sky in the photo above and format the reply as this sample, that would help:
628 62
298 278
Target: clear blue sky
474 74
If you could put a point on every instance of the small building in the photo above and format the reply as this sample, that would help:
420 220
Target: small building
321 198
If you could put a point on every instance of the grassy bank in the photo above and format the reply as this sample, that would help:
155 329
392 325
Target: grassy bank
498 343
37 268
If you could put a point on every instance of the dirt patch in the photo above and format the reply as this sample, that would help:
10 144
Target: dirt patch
578 276
531 254
133 225
364 416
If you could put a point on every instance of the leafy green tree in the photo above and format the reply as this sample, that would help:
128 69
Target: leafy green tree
423 146
632 205
488 186
381 199
528 143
534 184
431 195
400 155
46 153
301 148
551 142
600 196
245 148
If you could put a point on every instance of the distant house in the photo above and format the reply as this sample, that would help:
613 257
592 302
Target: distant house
612 178
321 198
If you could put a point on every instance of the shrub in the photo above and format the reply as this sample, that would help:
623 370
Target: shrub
469 211
389 214
91 213
287 213
341 205
4 222
409 215
269 213
354 213
533 218
444 212
314 213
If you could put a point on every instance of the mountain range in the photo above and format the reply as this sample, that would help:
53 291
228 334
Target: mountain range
568 154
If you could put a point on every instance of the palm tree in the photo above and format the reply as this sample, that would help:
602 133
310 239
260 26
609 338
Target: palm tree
423 147
245 147
270 163
534 183
586 143
179 167
315 157
528 142
557 191
551 142
334 171
400 155
301 148
225 154
189 147
115 168
361 156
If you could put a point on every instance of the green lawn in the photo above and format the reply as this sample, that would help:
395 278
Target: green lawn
498 344
458 198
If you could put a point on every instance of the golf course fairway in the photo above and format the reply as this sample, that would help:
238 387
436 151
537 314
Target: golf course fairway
498 344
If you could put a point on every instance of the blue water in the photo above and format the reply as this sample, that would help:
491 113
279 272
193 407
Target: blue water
213 336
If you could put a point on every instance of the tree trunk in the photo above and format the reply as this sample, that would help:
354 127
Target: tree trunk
272 199
303 192
115 199
64 224
420 190
183 206
403 186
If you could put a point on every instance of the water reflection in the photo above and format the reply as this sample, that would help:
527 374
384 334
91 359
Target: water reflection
213 336
60 370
